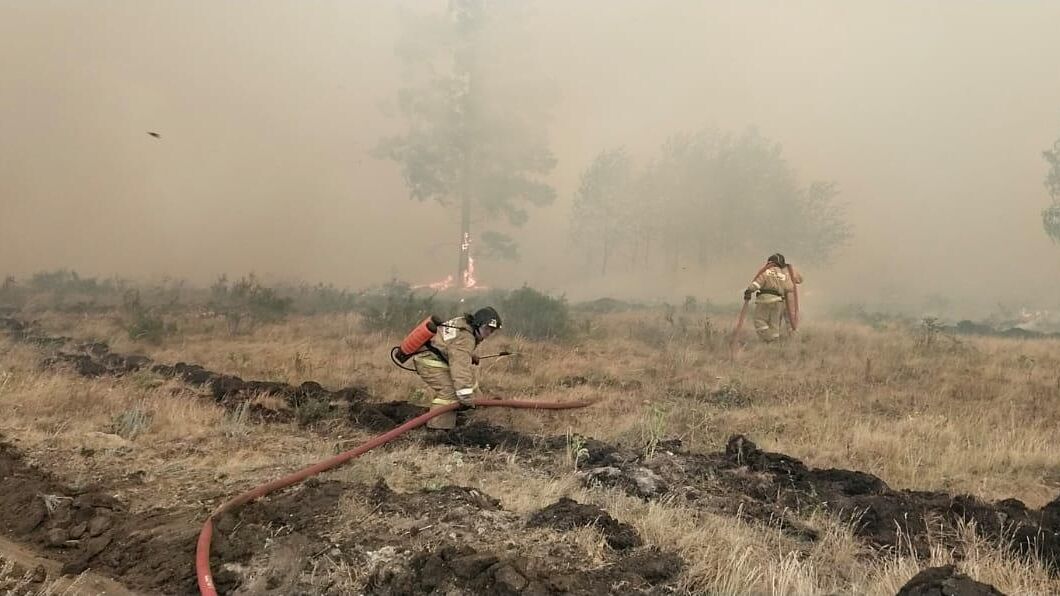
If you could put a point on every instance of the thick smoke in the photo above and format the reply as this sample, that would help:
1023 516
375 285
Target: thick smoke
929 117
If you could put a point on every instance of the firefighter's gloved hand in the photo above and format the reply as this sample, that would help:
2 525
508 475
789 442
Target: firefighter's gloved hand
747 294
466 400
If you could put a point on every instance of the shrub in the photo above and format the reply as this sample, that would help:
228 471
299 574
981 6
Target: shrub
149 328
320 299
397 308
140 323
312 410
603 306
535 315
236 422
132 422
247 301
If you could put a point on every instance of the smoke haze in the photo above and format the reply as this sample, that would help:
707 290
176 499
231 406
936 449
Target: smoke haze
930 116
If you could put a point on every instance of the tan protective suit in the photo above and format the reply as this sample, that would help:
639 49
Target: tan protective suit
455 379
773 286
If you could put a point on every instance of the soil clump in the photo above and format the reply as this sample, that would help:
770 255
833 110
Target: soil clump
945 581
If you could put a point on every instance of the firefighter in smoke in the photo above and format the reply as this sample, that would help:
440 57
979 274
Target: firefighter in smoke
775 296
446 360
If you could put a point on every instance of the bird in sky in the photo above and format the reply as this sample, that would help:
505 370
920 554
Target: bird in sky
154 134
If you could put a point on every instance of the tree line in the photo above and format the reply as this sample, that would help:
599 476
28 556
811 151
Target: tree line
705 197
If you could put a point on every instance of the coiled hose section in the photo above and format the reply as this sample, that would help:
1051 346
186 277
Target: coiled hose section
202 549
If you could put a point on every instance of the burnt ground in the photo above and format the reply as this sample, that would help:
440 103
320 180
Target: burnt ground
567 514
288 543
501 566
95 359
775 489
945 581
87 528
767 486
153 549
469 571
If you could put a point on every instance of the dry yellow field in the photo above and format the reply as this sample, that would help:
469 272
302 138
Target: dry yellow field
973 416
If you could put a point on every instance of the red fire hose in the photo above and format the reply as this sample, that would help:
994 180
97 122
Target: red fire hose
743 315
793 303
736 329
202 550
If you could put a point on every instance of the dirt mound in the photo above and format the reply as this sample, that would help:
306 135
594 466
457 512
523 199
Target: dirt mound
567 514
274 545
887 516
382 416
489 436
494 564
945 581
88 528
462 569
773 488
88 365
225 387
95 359
285 530
769 487
294 528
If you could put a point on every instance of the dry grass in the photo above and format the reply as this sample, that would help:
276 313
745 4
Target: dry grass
976 417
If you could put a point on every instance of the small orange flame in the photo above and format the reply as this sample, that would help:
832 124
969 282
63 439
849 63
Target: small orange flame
469 282
469 275
442 285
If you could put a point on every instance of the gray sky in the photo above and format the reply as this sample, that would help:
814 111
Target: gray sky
931 116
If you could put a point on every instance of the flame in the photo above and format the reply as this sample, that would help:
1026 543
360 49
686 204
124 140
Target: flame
468 282
442 285
469 275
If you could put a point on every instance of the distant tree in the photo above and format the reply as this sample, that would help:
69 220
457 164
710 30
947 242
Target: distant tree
824 228
601 219
1051 214
476 138
708 196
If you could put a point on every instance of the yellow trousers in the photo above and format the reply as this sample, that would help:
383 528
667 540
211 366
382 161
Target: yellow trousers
767 320
435 374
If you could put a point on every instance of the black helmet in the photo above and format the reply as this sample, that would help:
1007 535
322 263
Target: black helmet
486 317
777 258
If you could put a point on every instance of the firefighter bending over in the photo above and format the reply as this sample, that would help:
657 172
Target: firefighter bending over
774 286
446 361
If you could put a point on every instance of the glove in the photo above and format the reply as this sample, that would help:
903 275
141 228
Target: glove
466 400
474 360
747 295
